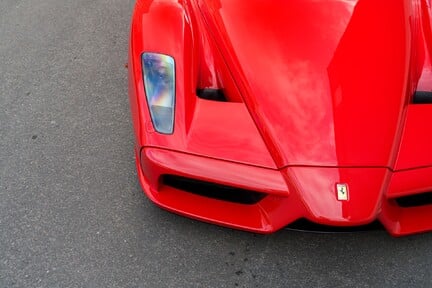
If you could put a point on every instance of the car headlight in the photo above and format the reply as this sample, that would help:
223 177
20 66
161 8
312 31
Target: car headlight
159 83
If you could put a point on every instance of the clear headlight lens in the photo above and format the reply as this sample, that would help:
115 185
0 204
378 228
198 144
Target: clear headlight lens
159 83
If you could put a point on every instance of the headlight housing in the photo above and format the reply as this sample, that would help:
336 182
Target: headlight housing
159 85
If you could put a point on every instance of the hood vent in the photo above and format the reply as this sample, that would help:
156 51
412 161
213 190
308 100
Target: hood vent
422 97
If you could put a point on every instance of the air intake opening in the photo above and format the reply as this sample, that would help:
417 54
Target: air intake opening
422 97
305 225
211 94
212 190
415 200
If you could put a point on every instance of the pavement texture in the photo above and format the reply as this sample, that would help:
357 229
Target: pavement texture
72 213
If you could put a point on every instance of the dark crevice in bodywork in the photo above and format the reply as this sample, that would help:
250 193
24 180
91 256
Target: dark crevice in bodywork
211 94
422 97
308 226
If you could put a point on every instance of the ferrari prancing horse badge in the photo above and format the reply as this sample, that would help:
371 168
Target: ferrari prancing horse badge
342 191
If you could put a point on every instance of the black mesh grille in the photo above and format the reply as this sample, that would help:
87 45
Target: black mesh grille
212 190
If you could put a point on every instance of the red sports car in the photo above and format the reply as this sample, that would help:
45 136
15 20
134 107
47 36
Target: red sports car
257 114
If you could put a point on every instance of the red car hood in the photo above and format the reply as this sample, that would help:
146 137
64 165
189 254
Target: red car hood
324 81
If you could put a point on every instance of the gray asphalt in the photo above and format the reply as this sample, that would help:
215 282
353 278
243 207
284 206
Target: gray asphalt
72 213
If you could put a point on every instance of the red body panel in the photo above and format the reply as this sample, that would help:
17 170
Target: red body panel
319 93
416 146
326 79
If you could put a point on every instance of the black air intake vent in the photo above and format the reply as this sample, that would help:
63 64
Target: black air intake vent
422 97
415 200
212 190
211 94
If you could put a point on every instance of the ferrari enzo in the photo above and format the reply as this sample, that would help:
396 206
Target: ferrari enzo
258 114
